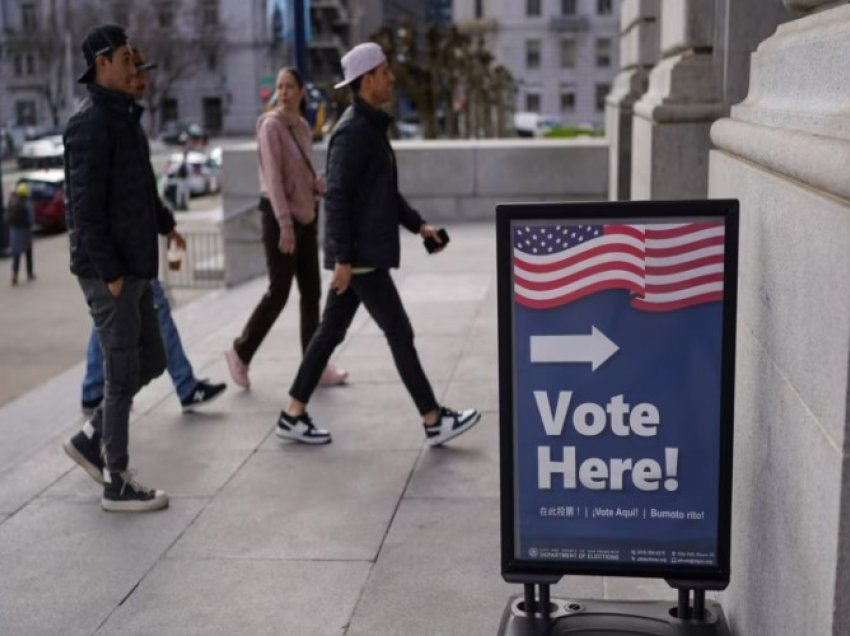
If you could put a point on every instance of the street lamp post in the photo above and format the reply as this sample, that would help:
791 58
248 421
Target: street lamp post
302 15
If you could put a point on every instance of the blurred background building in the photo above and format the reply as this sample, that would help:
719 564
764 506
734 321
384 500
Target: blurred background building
217 58
563 54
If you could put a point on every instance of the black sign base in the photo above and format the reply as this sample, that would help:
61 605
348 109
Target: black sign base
589 617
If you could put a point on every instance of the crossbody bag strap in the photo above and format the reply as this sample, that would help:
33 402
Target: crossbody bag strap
301 150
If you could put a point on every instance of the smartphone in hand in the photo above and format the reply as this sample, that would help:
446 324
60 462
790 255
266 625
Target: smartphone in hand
432 246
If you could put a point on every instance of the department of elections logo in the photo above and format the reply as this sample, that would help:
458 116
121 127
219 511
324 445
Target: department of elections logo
532 552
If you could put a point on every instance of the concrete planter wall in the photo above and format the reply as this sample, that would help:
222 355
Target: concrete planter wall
447 181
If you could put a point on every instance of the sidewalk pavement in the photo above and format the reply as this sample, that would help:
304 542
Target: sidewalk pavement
373 534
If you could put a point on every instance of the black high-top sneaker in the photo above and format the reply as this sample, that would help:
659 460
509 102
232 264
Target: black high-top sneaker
122 493
84 448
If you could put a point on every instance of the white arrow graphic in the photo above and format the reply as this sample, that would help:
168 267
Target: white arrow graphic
595 348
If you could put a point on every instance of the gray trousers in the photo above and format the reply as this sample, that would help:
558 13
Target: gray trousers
133 355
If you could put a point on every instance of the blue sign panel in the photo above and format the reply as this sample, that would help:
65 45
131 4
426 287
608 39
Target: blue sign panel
615 348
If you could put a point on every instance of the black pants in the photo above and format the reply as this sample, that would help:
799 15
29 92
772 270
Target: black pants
377 291
303 264
133 355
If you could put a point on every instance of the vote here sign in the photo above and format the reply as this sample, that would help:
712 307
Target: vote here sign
617 371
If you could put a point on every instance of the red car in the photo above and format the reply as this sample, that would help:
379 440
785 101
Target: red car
47 195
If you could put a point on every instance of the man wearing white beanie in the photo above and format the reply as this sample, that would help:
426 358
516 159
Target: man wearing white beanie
363 209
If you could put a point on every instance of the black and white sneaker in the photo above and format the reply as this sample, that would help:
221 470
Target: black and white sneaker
450 424
301 429
122 493
84 448
202 394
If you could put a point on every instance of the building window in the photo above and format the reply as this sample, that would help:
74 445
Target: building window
601 93
165 16
532 102
209 13
568 7
170 111
18 62
25 113
479 8
603 52
532 53
568 102
213 114
212 59
29 18
532 8
568 53
603 7
30 60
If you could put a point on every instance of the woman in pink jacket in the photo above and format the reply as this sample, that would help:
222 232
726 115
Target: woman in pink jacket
289 188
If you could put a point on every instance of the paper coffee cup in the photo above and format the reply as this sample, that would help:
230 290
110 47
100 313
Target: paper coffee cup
175 258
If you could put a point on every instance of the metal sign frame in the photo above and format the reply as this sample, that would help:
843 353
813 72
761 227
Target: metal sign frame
516 569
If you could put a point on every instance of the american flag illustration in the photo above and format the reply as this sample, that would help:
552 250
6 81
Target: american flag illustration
665 266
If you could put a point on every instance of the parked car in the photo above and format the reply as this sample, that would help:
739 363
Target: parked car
176 133
45 152
528 124
201 171
47 195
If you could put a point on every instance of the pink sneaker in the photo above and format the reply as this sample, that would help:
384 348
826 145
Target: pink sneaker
238 369
332 376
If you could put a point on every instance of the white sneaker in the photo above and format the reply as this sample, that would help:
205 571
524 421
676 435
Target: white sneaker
450 424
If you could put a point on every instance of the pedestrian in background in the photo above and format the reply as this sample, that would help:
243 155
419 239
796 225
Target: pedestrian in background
191 391
289 188
19 217
363 212
114 215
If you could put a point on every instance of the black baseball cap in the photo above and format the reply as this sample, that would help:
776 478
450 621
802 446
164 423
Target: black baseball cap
100 41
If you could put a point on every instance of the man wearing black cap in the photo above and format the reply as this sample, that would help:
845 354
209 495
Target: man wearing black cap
114 215
192 392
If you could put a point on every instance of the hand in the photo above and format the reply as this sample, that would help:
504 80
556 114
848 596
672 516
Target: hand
115 287
286 242
429 230
341 278
174 237
320 185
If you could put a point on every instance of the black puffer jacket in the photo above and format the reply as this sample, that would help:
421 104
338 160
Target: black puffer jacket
363 207
114 212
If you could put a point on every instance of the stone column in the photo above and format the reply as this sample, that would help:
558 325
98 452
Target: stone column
784 153
639 49
670 137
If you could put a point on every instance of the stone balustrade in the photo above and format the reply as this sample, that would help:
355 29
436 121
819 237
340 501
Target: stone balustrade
451 180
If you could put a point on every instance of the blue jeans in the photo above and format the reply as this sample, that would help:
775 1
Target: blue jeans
179 367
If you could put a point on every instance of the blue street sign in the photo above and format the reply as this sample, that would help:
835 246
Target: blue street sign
617 336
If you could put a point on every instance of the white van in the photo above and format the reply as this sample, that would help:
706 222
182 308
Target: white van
527 124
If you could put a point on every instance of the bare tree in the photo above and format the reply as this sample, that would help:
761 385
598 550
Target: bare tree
175 36
47 41
455 80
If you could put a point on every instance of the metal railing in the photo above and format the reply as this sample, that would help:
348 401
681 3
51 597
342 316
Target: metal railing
202 266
